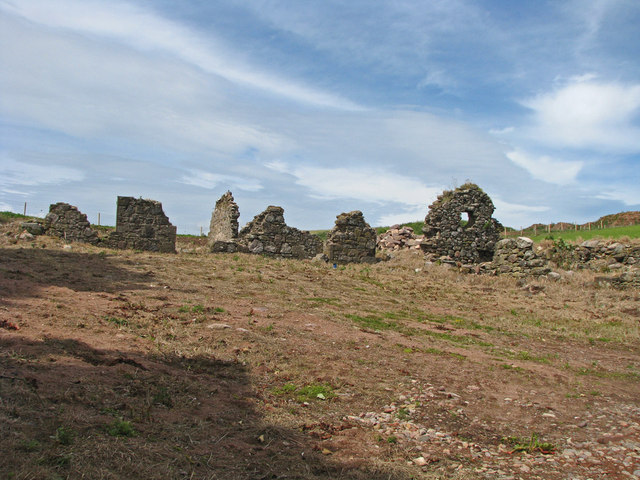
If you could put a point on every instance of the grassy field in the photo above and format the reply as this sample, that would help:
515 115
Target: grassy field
630 232
126 365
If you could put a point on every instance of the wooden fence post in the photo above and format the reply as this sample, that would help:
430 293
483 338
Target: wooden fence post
25 209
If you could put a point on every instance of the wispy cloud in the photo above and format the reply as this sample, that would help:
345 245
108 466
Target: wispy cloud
13 173
545 168
132 26
208 180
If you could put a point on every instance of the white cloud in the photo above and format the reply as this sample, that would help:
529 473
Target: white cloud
5 207
501 131
25 174
626 195
203 179
517 215
588 114
368 185
147 32
406 216
546 168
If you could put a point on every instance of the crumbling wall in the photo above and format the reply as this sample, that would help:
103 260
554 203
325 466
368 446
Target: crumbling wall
597 255
515 256
459 226
66 221
268 234
223 229
142 225
351 240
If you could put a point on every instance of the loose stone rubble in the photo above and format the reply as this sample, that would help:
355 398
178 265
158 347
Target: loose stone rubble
398 238
223 228
142 225
67 222
601 446
351 240
450 237
268 234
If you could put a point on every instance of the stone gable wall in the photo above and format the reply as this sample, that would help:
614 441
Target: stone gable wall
66 221
446 236
351 240
268 234
142 225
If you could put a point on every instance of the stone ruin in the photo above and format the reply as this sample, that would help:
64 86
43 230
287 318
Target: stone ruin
67 222
142 225
266 234
459 227
223 228
351 240
515 256
399 238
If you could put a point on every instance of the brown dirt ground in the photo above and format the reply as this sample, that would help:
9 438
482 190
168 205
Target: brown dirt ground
216 362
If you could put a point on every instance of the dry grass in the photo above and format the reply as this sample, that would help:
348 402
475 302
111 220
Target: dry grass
205 357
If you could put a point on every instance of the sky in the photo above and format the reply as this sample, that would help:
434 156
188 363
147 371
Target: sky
321 107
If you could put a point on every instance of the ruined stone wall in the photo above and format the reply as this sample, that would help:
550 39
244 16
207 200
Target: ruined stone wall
597 255
66 221
515 256
447 235
223 229
142 225
351 240
268 234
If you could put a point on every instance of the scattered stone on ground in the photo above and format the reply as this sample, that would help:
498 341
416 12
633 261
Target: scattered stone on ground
399 237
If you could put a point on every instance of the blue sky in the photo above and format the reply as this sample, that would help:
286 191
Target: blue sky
321 107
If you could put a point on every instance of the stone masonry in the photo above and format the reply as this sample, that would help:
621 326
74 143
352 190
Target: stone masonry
351 240
223 229
66 221
459 226
268 234
142 225
515 256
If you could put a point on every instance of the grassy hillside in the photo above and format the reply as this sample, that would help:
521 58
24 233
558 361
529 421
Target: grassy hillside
630 232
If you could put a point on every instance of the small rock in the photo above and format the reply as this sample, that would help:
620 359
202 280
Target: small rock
420 461
218 326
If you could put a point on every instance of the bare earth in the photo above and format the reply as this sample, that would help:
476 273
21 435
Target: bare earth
123 365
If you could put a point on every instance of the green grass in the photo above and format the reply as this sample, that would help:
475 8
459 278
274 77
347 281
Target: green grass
632 231
6 217
417 227
531 445
306 393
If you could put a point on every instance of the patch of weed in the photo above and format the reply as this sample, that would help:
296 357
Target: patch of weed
30 445
120 322
121 428
306 393
64 435
532 445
